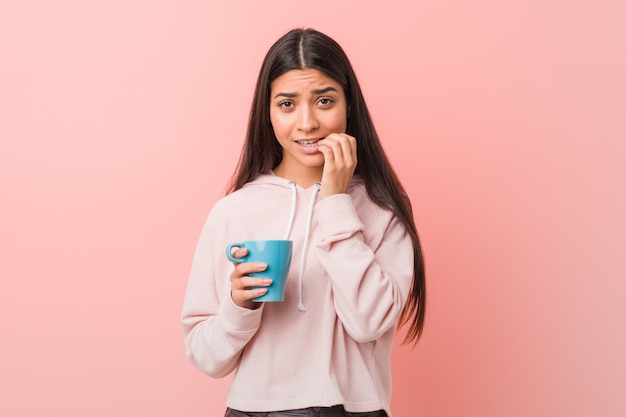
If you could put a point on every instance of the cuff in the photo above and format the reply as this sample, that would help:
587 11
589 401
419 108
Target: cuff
239 319
337 218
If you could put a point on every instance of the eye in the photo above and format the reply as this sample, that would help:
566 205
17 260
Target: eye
325 101
286 105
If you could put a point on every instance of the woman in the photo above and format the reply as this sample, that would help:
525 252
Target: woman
357 267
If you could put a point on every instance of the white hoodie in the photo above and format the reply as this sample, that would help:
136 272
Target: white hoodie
351 287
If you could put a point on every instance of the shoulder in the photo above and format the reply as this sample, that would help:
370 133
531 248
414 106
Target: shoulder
232 203
265 190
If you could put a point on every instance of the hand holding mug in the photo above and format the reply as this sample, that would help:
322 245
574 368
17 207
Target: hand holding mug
243 288
261 269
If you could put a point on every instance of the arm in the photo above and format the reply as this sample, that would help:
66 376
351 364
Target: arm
215 329
370 284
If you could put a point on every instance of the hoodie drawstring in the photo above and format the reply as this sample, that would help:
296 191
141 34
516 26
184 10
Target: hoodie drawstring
304 247
307 231
292 215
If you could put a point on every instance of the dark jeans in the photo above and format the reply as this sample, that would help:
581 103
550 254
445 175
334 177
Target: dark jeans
335 411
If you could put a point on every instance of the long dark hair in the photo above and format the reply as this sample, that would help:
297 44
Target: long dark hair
310 49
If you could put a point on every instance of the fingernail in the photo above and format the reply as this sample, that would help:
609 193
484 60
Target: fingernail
267 281
262 267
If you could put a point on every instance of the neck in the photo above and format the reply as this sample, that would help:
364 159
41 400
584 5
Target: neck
304 178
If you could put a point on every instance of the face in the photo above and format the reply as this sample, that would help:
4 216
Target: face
305 107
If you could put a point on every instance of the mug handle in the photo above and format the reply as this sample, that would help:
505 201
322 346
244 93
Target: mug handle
229 250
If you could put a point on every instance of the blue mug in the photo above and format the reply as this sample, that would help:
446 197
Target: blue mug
276 254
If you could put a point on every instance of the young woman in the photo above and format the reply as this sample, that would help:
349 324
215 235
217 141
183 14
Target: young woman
357 267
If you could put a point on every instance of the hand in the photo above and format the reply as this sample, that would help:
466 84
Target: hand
240 283
339 150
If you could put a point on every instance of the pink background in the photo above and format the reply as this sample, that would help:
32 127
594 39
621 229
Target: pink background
121 121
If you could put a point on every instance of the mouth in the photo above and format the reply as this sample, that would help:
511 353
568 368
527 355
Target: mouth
308 143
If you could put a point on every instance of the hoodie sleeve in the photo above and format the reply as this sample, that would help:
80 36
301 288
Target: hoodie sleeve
215 329
370 283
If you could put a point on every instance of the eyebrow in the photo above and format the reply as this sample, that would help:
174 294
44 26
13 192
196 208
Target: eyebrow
324 90
320 91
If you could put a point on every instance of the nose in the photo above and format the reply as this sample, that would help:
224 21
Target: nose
307 120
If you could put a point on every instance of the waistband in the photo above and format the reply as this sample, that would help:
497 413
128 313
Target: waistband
334 411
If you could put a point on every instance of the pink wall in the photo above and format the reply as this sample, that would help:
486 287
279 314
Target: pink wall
120 122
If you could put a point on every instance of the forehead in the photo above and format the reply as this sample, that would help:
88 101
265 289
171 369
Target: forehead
294 81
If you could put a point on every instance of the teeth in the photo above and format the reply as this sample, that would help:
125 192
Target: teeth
307 142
